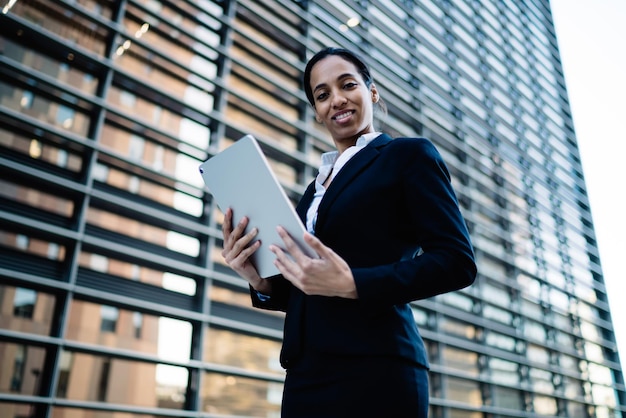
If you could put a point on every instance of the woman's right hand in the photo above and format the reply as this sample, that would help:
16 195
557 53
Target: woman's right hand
238 248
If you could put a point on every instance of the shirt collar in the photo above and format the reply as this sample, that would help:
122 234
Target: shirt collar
329 158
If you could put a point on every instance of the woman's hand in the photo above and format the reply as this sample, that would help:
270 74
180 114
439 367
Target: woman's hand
328 275
238 247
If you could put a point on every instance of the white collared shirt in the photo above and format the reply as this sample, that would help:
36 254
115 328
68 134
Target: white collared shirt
332 163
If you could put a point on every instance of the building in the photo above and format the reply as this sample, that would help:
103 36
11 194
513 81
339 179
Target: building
114 299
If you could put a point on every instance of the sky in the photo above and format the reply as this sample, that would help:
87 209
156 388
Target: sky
591 36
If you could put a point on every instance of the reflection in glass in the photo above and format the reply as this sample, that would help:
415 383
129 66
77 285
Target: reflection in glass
459 413
458 328
25 310
108 318
461 360
166 338
466 391
544 405
236 395
120 381
21 367
504 397
240 350
24 302
504 372
15 410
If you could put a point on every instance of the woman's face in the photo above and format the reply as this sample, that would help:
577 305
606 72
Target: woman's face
343 103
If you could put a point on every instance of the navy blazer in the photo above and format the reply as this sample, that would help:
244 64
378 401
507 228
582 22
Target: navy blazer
392 215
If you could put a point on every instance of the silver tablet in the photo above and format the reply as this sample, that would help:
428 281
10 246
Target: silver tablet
240 177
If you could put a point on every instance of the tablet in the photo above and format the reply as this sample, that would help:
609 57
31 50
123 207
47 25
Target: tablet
240 177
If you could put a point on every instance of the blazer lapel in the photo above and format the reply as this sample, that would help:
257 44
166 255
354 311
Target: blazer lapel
305 202
348 173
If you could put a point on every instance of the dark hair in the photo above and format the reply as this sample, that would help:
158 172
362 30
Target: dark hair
341 52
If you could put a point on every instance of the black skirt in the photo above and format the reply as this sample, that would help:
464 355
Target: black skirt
325 386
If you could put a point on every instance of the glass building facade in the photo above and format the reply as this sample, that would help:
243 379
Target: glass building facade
114 299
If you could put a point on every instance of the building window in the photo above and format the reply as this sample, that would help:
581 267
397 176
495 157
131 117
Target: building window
136 148
128 99
137 324
19 363
109 316
24 302
65 116
26 102
104 379
64 373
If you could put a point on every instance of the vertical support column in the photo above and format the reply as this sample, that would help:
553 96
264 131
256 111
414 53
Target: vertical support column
193 399
51 370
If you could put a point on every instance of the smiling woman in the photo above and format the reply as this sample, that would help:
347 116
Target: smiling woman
343 100
349 331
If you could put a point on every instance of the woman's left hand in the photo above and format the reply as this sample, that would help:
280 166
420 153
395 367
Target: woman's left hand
328 275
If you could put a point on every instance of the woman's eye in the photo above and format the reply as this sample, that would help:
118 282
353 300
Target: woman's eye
349 85
322 96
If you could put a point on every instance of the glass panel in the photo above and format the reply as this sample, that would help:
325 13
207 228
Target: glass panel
87 377
507 398
497 314
504 342
465 391
131 271
572 388
537 354
236 395
462 360
24 302
30 245
17 410
458 413
109 317
60 412
503 371
147 233
63 72
172 56
159 155
604 397
164 193
149 110
36 198
545 405
165 337
458 300
541 381
26 310
576 410
239 350
39 147
458 328
21 367
74 28
534 331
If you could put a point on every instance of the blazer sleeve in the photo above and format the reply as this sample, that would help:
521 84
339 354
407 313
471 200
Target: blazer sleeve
279 298
435 222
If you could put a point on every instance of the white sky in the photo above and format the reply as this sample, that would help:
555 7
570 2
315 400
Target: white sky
592 40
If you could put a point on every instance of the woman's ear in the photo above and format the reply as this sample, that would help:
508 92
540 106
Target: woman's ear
375 96
317 117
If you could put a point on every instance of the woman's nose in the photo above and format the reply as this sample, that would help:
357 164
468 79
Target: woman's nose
339 100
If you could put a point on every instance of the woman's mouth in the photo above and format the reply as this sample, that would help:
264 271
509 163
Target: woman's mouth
340 117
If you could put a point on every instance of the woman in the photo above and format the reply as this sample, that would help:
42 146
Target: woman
385 222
